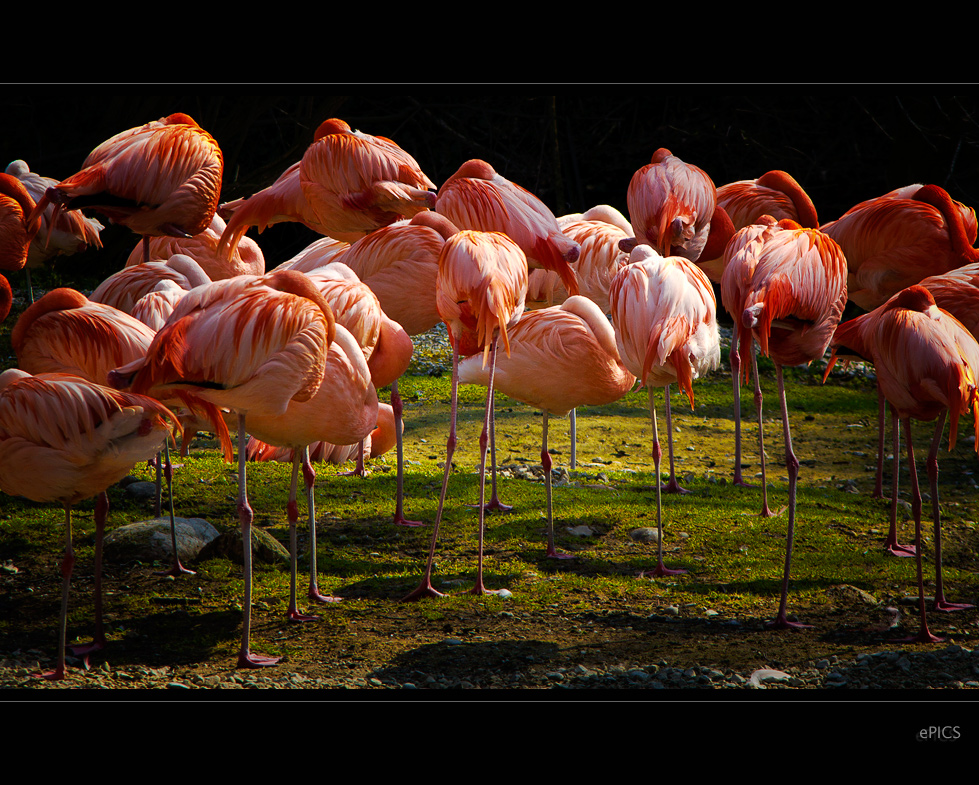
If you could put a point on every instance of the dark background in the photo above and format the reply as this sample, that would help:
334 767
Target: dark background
573 150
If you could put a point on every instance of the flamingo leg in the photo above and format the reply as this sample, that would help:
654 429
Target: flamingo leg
661 569
891 544
766 511
673 486
309 476
246 515
545 459
574 439
67 565
879 481
494 504
98 640
736 384
177 568
792 466
292 507
941 604
398 406
924 634
480 587
425 588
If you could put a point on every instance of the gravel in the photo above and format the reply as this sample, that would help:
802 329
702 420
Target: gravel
954 667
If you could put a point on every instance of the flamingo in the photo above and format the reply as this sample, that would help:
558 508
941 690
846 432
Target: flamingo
665 318
560 357
957 293
788 283
385 343
6 298
161 178
597 231
65 234
894 241
18 224
124 288
64 439
481 287
344 410
891 243
671 204
477 197
775 193
65 332
927 365
247 258
247 344
399 264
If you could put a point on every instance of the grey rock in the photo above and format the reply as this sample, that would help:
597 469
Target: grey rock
150 540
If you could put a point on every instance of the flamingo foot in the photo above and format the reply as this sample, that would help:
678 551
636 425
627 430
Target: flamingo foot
296 616
661 570
177 570
781 622
400 520
554 553
315 596
903 551
941 604
85 650
425 589
482 591
767 512
673 486
925 636
742 484
248 660
58 674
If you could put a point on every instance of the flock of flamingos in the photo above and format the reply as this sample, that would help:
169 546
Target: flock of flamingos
555 312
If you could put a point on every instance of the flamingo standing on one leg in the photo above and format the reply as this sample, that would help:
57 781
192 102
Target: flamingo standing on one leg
927 364
247 344
481 286
161 178
560 357
64 439
790 297
665 319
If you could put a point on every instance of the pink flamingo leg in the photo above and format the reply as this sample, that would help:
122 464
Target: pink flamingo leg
924 634
673 486
98 641
941 604
736 383
425 588
792 465
766 511
67 565
245 514
545 459
879 481
891 545
494 504
177 568
480 587
661 569
309 476
398 406
292 508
